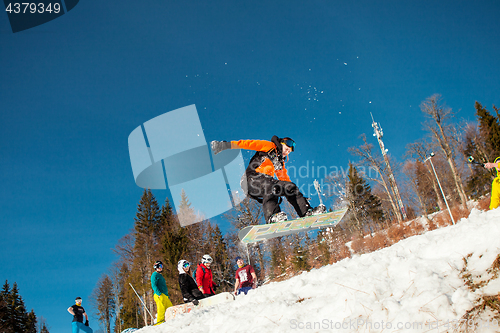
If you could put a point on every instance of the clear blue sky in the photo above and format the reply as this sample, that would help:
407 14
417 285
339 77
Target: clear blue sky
73 89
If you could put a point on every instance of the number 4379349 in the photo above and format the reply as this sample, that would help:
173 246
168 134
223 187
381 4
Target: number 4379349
32 8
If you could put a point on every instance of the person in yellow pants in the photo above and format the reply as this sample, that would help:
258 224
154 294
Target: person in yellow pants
161 292
495 187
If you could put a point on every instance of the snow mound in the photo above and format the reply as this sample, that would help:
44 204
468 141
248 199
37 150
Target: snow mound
416 285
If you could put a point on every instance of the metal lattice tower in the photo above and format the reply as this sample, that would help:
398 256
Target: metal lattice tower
378 133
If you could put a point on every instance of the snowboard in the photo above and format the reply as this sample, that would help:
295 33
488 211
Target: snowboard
173 311
255 233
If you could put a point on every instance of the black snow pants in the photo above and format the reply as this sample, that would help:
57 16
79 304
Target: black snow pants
271 189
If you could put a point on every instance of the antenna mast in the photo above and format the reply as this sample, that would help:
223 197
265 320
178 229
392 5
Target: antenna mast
378 133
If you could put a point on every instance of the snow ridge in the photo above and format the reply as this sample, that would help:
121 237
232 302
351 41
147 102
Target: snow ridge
412 286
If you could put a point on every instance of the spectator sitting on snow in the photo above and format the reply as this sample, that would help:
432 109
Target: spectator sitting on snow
246 279
189 289
495 187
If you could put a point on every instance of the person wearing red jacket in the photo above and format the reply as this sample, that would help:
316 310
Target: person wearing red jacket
204 278
268 163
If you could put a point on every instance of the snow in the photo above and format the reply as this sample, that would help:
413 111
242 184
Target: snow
412 286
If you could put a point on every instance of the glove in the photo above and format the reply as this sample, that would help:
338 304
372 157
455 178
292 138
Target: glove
87 322
215 287
196 302
218 146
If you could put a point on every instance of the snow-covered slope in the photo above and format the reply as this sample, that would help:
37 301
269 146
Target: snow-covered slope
412 286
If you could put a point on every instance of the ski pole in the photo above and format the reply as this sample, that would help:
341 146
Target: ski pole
473 161
142 302
232 284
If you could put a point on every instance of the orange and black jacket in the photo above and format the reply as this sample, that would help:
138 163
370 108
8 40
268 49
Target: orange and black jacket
268 159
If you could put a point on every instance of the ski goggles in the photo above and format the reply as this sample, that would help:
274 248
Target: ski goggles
290 143
186 264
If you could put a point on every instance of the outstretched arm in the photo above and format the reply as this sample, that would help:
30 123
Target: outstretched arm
491 165
257 145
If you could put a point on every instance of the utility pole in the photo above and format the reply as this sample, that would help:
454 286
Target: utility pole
378 133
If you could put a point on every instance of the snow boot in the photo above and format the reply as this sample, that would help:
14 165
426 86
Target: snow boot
316 211
278 217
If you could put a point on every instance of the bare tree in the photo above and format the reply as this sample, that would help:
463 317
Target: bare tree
420 151
439 128
248 212
125 248
369 160
103 300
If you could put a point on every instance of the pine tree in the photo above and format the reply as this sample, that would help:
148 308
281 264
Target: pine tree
174 245
323 248
363 205
130 310
147 217
483 143
490 127
278 258
187 215
147 227
5 309
103 301
248 212
13 315
196 233
31 322
44 328
479 180
19 315
300 259
222 269
174 239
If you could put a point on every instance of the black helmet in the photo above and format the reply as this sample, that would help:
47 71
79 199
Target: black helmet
289 142
158 264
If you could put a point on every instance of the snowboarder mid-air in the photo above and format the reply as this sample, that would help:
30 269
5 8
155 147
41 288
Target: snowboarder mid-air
268 162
